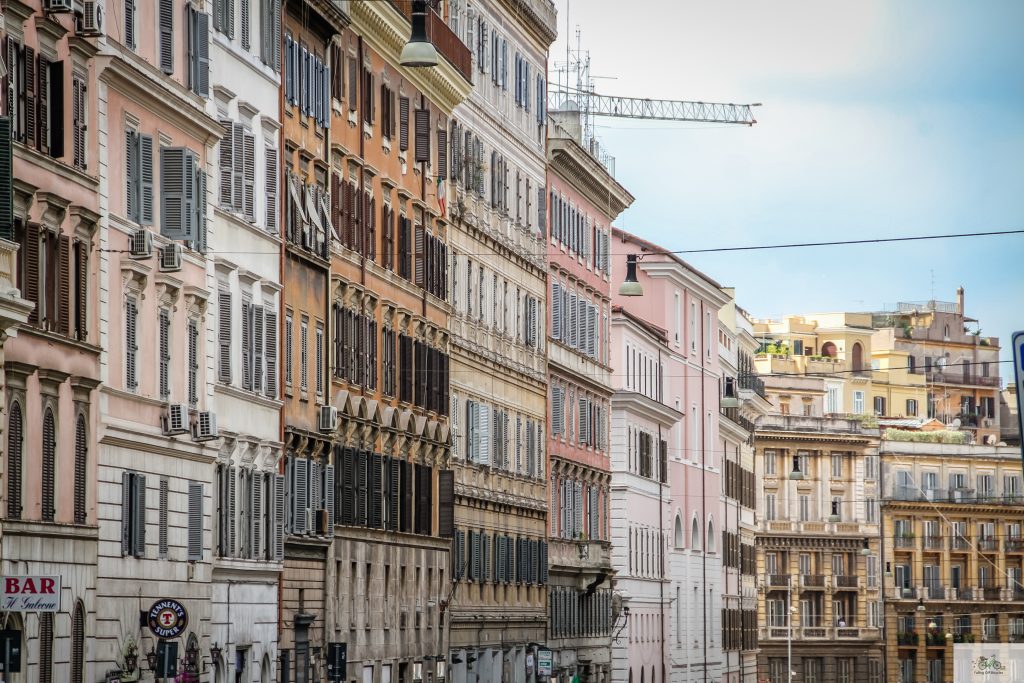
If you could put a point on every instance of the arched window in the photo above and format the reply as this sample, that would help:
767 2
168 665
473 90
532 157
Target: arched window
857 357
49 465
81 455
77 643
653 679
642 674
630 674
711 537
46 647
695 535
679 540
828 349
15 444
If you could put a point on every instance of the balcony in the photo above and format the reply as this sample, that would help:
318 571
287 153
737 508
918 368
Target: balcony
988 544
906 639
847 633
989 593
959 544
778 580
956 375
812 580
13 309
814 632
904 542
935 593
444 39
846 581
1014 544
751 383
1017 595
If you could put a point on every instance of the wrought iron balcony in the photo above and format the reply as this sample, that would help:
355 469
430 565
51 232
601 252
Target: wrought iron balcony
959 543
778 580
935 593
846 581
933 543
904 541
1014 544
988 544
751 382
991 592
905 639
812 580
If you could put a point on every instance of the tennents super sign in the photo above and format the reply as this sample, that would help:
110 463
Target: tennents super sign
31 594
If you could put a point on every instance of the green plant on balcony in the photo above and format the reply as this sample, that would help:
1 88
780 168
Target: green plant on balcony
774 349
906 638
908 330
968 637
983 342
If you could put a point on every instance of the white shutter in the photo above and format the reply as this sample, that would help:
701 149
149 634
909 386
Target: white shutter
279 516
256 508
483 426
329 497
577 503
556 310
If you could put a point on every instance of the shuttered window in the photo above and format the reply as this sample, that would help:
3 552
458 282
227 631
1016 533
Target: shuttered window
270 33
139 177
46 647
304 354
422 135
81 471
199 49
49 464
164 325
15 446
193 362
162 512
195 521
129 24
133 514
182 194
224 335
270 180
78 643
165 20
270 331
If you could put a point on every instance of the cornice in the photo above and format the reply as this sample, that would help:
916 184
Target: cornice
543 29
811 437
573 163
646 407
164 98
386 30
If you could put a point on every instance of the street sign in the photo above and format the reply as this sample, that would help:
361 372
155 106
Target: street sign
337 662
167 618
1018 378
543 664
31 594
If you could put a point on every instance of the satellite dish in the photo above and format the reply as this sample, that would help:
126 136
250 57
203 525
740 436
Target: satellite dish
941 361
616 606
956 423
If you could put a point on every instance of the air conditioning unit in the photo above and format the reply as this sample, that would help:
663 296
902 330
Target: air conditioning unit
205 426
175 420
91 21
59 6
328 419
322 528
142 244
170 258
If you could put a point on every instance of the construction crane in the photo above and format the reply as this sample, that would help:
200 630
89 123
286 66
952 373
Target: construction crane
589 102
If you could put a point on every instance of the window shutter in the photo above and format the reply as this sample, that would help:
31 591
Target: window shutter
199 51
177 201
279 517
376 501
329 497
227 164
49 464
229 17
271 181
144 193
164 351
300 494
403 123
442 153
245 19
43 93
543 562
247 344
446 503
257 348
224 336
6 180
64 287
422 121
256 515
139 514
238 167
162 519
131 343
166 20
30 99
361 462
232 518
270 353
420 246
248 204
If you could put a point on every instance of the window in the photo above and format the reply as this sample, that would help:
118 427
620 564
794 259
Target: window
845 670
78 643
81 473
880 405
707 333
911 407
871 510
139 177
182 196
858 402
270 34
288 324
49 465
133 514
769 506
319 358
46 647
837 465
304 353
129 24
198 51
769 461
693 327
224 17
832 400
164 325
871 467
161 548
805 508
237 166
678 319
15 446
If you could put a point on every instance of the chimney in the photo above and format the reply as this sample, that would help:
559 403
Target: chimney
960 300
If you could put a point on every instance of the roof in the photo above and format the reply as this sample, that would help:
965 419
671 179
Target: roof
655 249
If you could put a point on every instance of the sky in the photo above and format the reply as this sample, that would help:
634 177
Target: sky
879 119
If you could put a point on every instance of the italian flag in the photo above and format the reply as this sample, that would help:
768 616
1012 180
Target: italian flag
441 203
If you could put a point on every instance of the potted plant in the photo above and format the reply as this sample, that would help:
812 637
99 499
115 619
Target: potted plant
968 637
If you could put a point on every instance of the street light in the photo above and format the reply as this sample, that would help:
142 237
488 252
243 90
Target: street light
729 399
835 517
631 286
865 550
419 51
796 474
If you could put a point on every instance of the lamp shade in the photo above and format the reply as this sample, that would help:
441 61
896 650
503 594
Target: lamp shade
419 51
631 286
796 474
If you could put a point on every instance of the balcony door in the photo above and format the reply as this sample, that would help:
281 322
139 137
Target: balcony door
902 576
956 571
931 579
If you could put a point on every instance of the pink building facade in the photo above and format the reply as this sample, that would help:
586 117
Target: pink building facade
686 551
583 199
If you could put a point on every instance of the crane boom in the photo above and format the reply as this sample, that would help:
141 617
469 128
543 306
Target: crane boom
657 110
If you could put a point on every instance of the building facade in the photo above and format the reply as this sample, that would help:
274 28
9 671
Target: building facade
953 553
496 281
640 515
245 243
741 387
818 555
584 199
686 303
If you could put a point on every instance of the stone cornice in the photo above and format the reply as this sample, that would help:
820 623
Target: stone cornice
543 29
386 31
646 407
573 163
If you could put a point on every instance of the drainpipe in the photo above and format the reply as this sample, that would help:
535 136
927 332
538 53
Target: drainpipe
704 514
362 155
661 523
282 199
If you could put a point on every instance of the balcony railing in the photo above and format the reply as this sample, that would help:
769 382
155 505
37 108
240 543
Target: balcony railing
988 544
444 39
847 633
906 639
935 593
1014 544
991 592
1017 595
846 581
778 580
904 541
812 580
751 382
959 543
933 543
814 632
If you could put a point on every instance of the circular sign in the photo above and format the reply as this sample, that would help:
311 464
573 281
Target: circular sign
167 618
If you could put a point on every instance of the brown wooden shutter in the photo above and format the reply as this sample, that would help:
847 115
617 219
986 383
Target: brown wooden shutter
446 503
29 85
371 238
420 274
64 286
42 106
442 154
403 123
422 135
49 465
6 181
336 222
31 278
15 433
353 84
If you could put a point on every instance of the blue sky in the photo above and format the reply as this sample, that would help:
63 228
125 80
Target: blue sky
879 119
